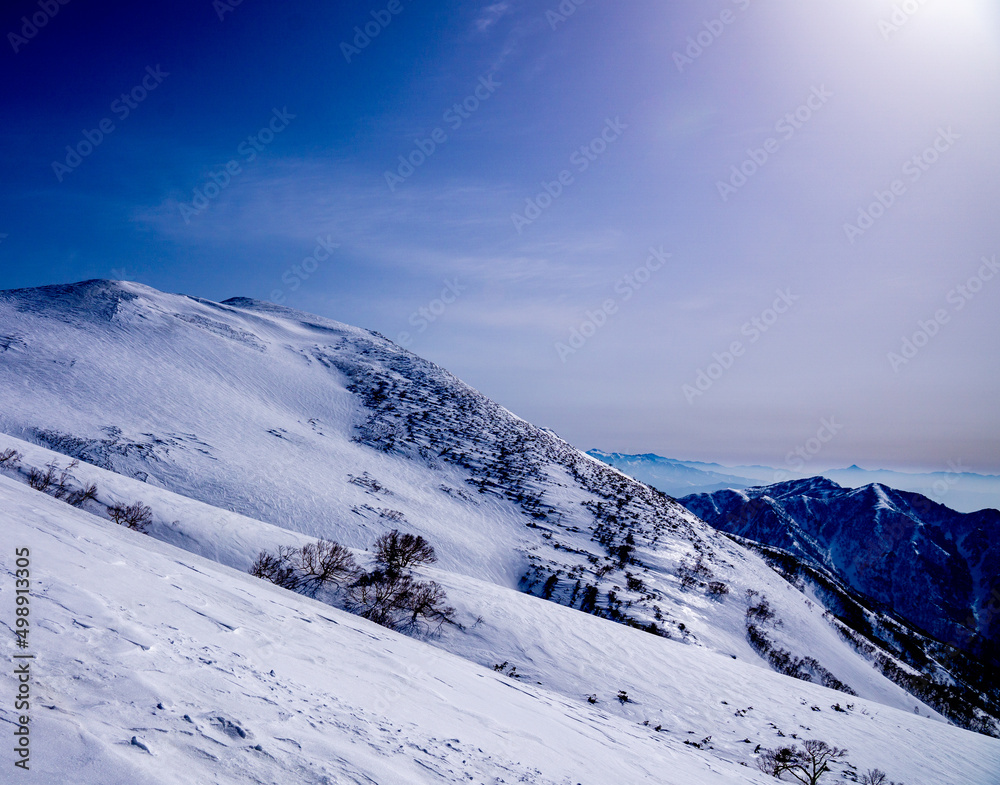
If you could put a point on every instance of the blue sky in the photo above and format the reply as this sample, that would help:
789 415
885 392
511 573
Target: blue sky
700 229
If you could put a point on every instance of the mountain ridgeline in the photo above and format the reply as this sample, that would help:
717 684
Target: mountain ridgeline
331 431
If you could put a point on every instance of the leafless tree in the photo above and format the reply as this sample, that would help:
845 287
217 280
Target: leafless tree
325 563
396 552
137 516
278 568
10 458
62 485
874 777
40 481
388 595
428 605
382 597
81 495
807 765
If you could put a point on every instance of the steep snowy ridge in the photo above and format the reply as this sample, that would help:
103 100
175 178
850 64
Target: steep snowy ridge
246 425
937 569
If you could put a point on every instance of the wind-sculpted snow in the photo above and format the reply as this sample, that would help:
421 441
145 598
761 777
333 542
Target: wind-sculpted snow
157 666
325 430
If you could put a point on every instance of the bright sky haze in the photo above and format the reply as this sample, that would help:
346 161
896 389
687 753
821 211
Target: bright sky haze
710 230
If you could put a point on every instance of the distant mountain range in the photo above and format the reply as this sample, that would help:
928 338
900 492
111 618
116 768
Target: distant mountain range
960 490
936 568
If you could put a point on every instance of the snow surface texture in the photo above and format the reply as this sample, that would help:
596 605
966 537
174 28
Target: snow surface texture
157 666
246 426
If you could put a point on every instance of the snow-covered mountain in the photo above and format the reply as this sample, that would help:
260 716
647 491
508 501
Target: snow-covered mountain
936 568
245 426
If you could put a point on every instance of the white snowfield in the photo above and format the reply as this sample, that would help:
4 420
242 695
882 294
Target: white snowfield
154 665
246 426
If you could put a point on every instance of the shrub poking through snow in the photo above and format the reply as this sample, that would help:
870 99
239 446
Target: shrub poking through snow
876 777
396 552
326 563
10 458
42 481
388 595
137 516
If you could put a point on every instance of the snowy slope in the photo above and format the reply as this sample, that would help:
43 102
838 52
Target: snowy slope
497 628
306 428
157 666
